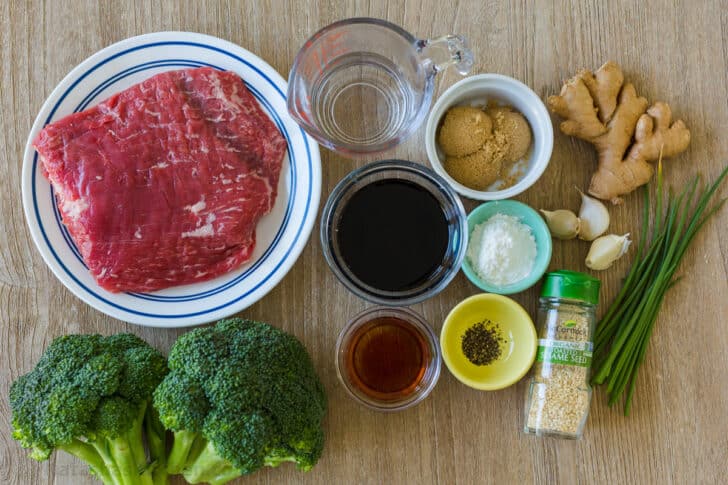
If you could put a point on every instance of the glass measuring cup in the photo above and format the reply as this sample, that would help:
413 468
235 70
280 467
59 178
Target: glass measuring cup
363 85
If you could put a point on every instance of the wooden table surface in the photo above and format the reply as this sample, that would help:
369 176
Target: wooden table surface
675 51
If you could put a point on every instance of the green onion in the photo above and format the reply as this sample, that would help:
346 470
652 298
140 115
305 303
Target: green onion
623 334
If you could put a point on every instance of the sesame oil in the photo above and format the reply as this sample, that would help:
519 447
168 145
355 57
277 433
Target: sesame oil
387 358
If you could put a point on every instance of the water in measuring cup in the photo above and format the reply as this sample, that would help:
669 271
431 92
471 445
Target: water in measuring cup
362 99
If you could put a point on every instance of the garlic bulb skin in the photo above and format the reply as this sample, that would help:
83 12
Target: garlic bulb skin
606 250
594 218
562 223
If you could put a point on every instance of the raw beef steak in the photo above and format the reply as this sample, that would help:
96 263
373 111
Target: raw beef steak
163 184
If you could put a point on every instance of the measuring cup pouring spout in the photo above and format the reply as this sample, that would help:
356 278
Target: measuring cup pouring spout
361 86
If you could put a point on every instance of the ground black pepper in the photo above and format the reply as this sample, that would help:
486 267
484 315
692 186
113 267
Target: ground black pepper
481 343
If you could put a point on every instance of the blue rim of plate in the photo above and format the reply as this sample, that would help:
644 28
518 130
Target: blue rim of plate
159 298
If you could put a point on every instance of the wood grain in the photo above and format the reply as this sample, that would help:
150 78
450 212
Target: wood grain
672 50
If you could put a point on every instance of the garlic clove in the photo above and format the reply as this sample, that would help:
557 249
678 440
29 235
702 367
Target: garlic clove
606 250
594 218
562 223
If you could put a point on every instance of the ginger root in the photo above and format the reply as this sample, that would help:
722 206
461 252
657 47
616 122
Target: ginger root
605 111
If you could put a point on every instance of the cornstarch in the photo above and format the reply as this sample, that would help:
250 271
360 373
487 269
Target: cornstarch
502 250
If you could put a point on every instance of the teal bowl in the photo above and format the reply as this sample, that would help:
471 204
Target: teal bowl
540 231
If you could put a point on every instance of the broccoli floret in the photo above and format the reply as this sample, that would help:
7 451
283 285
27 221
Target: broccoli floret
239 396
91 396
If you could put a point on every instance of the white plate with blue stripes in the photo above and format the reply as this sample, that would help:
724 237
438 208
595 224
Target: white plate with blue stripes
281 235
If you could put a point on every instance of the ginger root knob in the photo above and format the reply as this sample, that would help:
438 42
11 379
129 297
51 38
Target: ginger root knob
603 110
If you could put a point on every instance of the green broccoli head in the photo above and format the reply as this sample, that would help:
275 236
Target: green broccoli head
112 417
85 389
181 401
240 395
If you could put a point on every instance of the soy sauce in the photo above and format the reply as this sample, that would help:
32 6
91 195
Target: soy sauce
387 358
393 235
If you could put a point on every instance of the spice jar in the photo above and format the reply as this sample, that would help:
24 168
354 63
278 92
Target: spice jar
558 396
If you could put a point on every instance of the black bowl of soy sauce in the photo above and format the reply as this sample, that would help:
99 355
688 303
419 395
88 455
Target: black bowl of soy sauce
394 232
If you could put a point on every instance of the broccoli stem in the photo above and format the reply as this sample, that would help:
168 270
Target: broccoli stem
136 441
102 448
111 460
225 476
145 478
210 467
177 458
159 476
199 444
122 454
87 453
156 440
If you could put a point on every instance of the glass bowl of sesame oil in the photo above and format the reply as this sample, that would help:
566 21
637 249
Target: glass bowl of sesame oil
388 359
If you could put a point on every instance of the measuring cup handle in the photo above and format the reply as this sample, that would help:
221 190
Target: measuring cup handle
448 50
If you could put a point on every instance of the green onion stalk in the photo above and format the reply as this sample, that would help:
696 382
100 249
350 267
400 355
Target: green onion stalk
623 334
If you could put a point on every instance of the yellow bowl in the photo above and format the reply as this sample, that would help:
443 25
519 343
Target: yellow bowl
518 350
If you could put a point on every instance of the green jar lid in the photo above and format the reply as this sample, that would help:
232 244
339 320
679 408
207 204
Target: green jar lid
571 285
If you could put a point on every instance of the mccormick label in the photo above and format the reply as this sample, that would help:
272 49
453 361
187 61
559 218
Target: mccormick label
564 352
573 330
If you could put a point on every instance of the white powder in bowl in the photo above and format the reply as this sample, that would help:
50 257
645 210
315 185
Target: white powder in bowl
502 250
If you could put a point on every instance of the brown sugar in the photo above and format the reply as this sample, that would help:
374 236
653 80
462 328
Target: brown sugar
480 169
516 129
464 130
482 145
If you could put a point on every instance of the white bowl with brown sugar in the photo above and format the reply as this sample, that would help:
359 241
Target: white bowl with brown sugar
482 147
